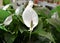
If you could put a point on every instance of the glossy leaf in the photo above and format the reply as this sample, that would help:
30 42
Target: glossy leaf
3 15
55 23
40 31
3 28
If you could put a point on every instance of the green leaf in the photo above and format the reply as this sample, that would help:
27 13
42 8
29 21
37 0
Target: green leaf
3 28
43 12
39 30
6 2
57 9
55 23
3 15
22 27
9 38
48 35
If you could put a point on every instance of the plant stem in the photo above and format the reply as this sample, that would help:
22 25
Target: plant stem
30 36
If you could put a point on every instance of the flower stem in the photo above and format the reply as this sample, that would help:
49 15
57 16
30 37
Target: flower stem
30 36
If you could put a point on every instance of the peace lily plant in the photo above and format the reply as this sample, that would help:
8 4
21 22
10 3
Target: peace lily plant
29 24
30 17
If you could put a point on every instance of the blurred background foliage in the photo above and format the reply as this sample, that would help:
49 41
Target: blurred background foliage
6 2
47 30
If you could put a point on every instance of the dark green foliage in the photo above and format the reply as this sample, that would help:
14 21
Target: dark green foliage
6 2
47 30
3 15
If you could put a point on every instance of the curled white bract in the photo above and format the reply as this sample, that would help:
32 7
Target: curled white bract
55 15
19 10
6 6
8 20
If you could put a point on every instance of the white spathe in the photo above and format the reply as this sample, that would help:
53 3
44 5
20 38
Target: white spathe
55 15
30 15
8 20
19 10
5 7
